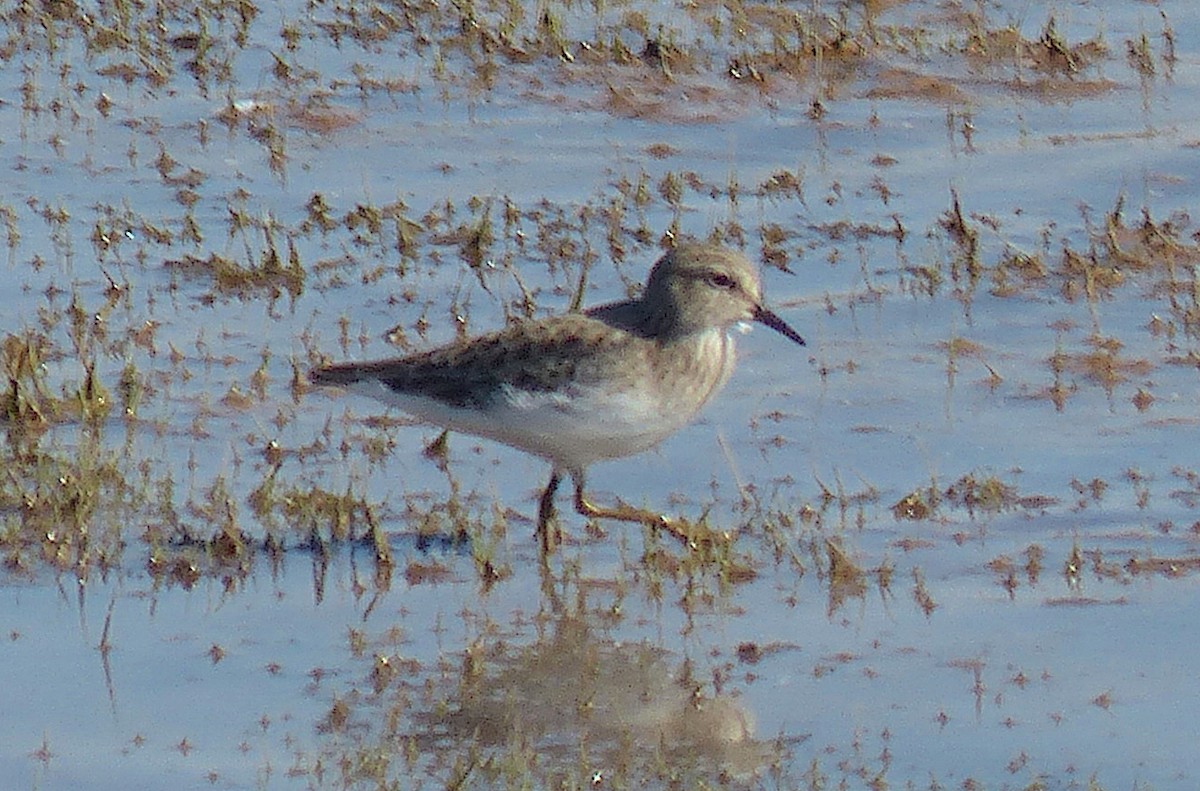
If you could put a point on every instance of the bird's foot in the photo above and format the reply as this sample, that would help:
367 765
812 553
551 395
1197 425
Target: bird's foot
549 530
693 535
696 535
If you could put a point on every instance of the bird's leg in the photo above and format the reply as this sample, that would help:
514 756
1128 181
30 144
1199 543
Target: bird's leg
548 529
680 528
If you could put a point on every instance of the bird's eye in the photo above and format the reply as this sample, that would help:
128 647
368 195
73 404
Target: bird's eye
719 280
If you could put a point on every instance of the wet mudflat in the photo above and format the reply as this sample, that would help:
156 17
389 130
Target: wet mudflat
964 519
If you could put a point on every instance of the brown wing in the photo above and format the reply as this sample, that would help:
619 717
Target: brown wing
537 357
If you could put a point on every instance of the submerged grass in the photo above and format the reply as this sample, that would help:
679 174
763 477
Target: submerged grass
293 509
106 396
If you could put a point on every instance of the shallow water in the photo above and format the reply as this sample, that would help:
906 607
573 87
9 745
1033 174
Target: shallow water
965 516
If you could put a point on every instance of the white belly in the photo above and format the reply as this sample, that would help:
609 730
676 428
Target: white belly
585 423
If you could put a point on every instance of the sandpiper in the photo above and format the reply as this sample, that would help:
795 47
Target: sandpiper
579 388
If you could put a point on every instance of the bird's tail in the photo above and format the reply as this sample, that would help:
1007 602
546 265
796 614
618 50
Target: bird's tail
341 374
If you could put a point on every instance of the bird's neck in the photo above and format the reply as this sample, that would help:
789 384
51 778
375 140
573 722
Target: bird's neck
658 320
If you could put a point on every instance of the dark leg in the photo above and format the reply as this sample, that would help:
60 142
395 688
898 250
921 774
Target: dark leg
548 530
